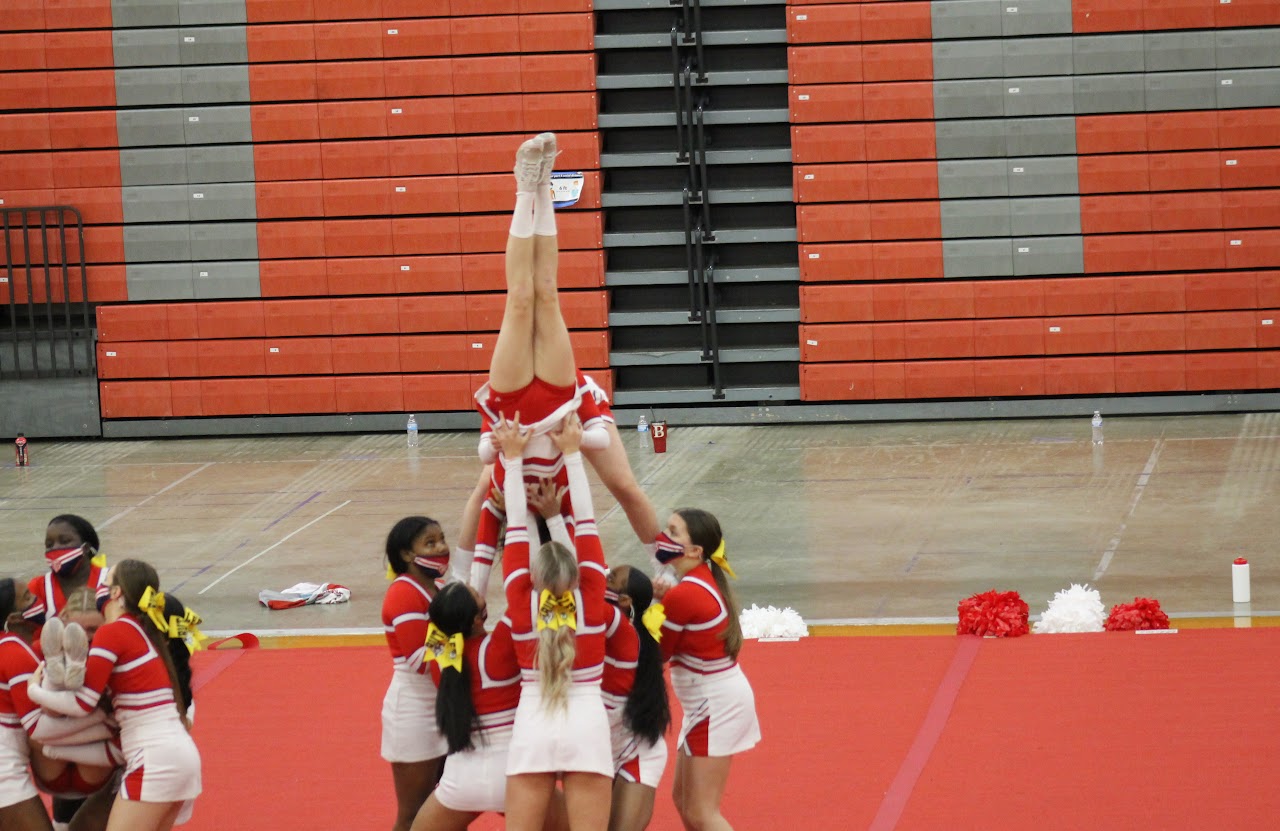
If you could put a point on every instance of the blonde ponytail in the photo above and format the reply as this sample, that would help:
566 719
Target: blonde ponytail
555 569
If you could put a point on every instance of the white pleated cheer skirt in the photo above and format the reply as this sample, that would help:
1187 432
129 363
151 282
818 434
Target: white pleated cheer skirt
572 740
162 763
409 731
719 712
634 758
15 779
476 779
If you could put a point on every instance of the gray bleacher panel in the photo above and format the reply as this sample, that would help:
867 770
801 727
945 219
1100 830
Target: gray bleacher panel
212 12
977 258
1044 215
220 163
226 280
155 203
224 241
218 125
1179 51
972 178
968 99
1248 88
1043 176
153 166
1038 56
1108 54
1247 47
1047 255
1182 91
157 243
963 218
1110 93
982 138
214 44
150 128
148 87
147 13
213 202
955 59
1038 96
215 84
145 47
1036 17
1053 136
159 281
965 19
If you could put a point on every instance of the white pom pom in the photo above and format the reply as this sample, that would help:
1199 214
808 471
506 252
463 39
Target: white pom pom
1077 609
771 622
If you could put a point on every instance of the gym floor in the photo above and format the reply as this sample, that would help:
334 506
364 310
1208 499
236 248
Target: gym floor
866 523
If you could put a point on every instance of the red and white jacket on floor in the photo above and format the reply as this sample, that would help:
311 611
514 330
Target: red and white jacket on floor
17 662
494 675
405 616
541 461
697 617
522 601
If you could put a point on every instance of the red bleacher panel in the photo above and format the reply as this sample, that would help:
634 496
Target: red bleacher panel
435 313
286 82
369 393
356 355
1150 333
288 396
1150 293
907 260
234 396
231 358
1222 371
1015 377
897 62
1150 373
1008 298
1008 336
135 399
1079 296
837 382
299 356
135 359
437 393
835 304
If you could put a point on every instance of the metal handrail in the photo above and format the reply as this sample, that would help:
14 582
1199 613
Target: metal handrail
695 307
709 282
676 87
700 148
697 40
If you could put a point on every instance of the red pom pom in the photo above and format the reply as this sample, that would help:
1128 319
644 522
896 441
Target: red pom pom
1142 613
998 614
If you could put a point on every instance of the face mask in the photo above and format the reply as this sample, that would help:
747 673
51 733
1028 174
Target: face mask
611 596
668 549
63 561
435 568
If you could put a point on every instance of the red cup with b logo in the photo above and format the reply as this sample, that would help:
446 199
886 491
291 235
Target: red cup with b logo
658 430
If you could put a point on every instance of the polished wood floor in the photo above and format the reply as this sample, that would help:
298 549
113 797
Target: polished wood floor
876 523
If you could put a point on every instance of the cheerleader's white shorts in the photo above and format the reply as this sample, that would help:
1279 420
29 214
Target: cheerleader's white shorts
476 779
409 731
719 712
15 779
162 763
570 740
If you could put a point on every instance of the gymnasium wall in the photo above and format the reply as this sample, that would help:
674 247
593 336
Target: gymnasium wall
1037 197
299 206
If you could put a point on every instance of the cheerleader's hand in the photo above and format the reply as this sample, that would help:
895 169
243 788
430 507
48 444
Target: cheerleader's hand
568 438
37 675
545 497
664 580
510 437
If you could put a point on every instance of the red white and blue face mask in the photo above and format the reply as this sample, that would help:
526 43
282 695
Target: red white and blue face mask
64 561
668 549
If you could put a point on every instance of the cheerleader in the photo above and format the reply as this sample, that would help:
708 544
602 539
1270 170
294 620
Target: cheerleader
532 373
71 551
130 659
20 806
417 555
635 693
701 637
556 611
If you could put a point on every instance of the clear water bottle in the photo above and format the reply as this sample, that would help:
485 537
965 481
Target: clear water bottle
642 431
412 429
1097 427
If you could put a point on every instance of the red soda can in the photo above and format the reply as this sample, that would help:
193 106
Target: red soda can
20 451
659 432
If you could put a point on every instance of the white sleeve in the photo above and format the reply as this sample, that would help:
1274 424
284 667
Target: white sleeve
56 701
596 437
559 531
579 489
488 453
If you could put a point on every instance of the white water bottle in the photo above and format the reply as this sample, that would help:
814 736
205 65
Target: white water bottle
412 429
1097 427
642 430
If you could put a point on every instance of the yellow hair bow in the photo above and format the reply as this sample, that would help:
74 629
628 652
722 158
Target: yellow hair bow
653 618
445 650
152 602
719 559
391 573
99 560
186 628
554 612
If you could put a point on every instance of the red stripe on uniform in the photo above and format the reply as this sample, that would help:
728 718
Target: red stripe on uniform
698 740
131 784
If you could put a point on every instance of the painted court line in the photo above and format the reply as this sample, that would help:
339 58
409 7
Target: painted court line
935 721
1138 489
274 545
167 487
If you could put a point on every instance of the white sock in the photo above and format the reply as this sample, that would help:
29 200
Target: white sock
544 213
522 219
